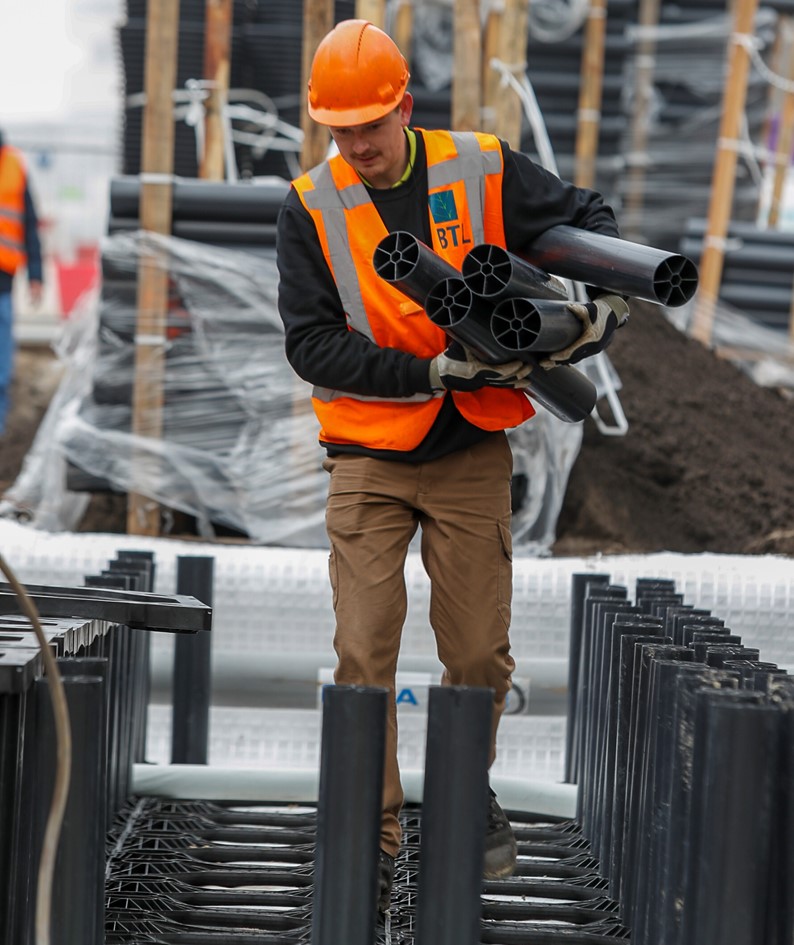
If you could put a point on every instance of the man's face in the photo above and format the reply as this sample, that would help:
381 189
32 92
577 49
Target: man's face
377 151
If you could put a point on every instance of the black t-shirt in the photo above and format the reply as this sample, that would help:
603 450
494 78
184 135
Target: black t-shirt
325 353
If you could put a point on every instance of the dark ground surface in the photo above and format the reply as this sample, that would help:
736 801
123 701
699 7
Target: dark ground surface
707 464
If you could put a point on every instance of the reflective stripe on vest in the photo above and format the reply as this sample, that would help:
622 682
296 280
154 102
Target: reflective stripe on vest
349 227
12 210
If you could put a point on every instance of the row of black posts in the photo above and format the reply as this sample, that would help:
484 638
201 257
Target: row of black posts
681 740
105 670
454 808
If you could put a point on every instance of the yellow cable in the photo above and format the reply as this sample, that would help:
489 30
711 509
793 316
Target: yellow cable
63 768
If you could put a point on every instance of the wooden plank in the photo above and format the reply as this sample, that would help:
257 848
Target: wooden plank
491 79
372 10
217 51
512 52
157 164
590 94
785 134
466 75
318 20
737 353
403 28
724 176
644 66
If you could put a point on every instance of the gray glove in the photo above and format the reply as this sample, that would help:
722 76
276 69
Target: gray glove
600 320
458 369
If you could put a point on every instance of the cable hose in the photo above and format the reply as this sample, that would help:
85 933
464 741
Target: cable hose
63 767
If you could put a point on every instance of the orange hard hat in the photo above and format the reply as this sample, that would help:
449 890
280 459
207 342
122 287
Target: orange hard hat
358 75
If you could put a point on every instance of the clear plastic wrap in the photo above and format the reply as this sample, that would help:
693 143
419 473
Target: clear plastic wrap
238 445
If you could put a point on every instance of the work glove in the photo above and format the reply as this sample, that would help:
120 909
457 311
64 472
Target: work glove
458 369
600 320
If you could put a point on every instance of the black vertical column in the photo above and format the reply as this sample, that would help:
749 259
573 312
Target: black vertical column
192 669
580 583
349 815
454 815
77 897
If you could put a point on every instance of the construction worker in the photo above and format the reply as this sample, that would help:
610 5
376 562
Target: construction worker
413 428
19 246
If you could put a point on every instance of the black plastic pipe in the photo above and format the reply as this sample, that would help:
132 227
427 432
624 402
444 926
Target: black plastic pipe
529 324
454 816
493 273
615 264
192 683
563 391
206 201
349 815
410 265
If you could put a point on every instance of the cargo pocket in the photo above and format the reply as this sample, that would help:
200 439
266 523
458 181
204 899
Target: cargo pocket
333 575
505 570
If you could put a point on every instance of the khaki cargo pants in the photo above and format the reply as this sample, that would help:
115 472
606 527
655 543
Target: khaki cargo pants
462 503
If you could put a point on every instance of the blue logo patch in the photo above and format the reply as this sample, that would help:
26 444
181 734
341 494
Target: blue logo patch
442 206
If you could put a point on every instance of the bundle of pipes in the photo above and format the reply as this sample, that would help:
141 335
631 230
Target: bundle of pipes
757 270
504 307
242 215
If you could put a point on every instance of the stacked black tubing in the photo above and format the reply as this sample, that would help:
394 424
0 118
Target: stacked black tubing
681 740
241 215
757 272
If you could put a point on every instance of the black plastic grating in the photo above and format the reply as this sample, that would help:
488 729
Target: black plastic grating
211 873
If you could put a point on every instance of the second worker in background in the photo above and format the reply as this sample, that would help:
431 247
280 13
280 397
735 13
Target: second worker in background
414 428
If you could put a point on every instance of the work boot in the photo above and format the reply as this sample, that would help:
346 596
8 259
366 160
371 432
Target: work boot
500 842
385 880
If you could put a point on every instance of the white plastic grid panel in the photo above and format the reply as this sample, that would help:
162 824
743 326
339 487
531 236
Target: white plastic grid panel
530 747
279 599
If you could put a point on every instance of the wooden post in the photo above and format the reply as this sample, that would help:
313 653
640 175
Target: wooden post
724 176
403 29
318 19
644 63
513 52
490 77
157 165
785 135
372 10
217 43
466 76
590 94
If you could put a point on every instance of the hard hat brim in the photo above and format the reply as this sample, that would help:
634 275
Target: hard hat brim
348 117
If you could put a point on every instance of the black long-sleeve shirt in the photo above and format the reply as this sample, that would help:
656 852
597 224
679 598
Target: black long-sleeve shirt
325 353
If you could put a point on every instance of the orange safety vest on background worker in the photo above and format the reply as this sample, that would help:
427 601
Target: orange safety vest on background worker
465 170
13 180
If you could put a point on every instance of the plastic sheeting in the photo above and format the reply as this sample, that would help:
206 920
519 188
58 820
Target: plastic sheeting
239 438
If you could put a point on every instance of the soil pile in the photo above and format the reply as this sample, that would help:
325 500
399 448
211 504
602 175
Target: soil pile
707 463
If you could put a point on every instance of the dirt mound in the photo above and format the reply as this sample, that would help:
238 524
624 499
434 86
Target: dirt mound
707 464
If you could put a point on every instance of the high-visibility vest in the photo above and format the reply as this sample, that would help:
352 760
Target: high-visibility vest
12 210
464 171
